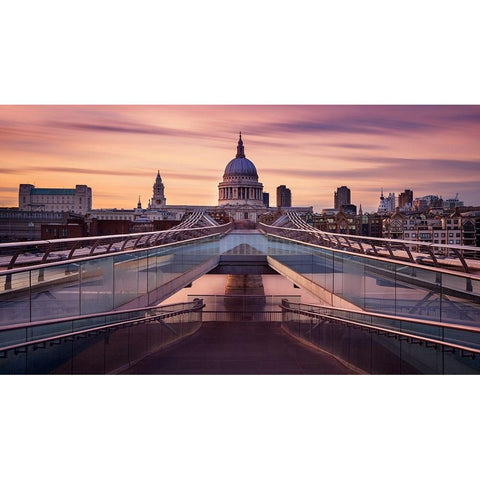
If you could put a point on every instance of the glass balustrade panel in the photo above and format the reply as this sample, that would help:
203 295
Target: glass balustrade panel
55 292
97 285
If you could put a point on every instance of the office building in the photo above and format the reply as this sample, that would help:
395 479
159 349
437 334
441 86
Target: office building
341 197
284 197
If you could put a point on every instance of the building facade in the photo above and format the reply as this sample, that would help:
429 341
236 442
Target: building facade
266 199
446 229
368 225
20 225
341 197
387 204
73 200
405 200
284 196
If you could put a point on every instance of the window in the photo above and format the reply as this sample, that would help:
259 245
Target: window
450 234
413 235
435 235
458 242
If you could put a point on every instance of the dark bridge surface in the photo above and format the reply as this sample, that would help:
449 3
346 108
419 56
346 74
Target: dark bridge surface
239 348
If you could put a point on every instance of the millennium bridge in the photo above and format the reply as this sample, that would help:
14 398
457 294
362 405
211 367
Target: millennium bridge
100 304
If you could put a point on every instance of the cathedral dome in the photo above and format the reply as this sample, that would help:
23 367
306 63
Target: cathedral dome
240 165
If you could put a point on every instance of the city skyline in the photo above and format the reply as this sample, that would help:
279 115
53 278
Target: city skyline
117 150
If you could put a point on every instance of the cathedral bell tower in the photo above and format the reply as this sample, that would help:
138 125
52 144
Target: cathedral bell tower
158 199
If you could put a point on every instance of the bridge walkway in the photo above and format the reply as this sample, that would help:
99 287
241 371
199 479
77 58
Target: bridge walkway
240 348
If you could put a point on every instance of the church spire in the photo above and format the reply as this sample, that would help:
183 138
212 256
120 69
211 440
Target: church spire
240 148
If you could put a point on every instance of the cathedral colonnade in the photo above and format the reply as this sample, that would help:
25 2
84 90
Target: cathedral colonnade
240 193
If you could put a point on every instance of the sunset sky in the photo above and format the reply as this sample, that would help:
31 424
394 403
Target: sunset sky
117 151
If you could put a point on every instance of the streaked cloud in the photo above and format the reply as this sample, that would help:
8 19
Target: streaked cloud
125 128
357 146
367 126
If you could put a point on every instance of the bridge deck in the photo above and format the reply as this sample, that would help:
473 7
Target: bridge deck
240 348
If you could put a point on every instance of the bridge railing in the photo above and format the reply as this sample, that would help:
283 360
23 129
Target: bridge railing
99 343
104 282
449 256
17 254
387 344
384 285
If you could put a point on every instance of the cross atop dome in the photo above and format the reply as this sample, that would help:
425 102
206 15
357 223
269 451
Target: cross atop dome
240 148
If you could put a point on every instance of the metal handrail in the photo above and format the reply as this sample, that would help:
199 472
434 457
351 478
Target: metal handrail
196 306
375 242
14 326
451 326
396 260
431 323
69 245
112 254
314 230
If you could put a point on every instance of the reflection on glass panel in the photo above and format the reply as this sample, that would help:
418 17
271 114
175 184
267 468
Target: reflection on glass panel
55 292
97 285
323 268
241 244
354 280
171 263
125 278
161 260
422 330
142 272
89 322
338 274
151 272
36 332
418 293
379 286
469 339
13 337
460 300
15 298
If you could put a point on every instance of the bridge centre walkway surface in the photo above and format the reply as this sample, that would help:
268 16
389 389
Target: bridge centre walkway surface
240 348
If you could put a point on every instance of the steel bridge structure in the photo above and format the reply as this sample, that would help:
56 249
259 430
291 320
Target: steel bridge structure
385 306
